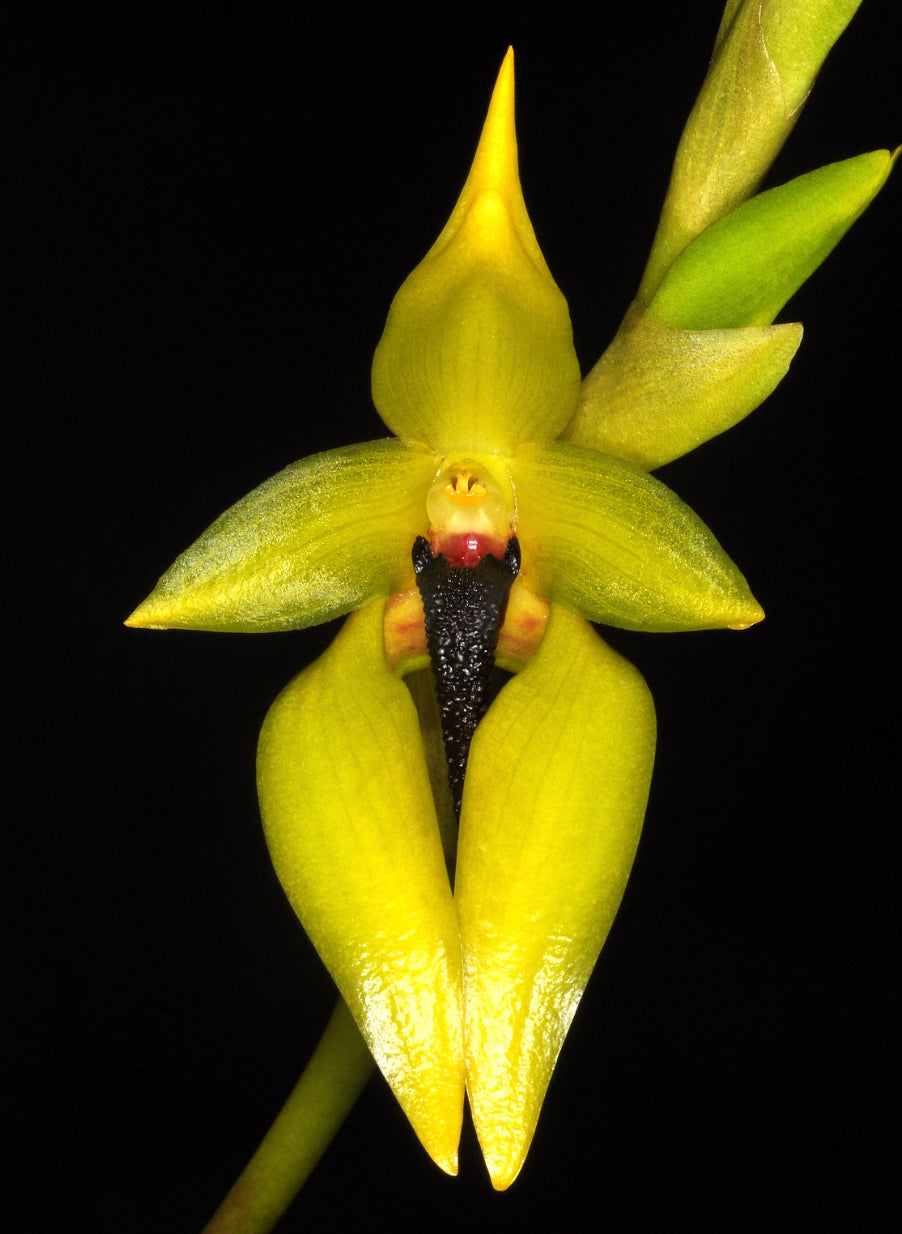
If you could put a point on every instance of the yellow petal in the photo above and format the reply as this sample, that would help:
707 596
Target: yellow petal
477 352
617 546
311 543
659 391
350 824
555 794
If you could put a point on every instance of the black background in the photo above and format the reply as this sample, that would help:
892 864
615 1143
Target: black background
215 210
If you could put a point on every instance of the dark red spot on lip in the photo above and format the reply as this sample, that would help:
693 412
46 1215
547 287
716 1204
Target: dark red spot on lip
468 548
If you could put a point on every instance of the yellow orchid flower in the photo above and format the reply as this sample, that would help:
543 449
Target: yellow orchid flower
513 507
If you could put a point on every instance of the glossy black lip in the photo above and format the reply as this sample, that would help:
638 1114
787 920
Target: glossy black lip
464 607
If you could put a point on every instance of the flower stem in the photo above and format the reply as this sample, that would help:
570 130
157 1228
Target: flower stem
303 1129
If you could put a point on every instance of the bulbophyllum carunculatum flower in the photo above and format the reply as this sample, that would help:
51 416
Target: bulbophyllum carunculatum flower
513 506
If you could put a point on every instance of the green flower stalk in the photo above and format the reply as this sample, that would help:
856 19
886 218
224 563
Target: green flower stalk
503 459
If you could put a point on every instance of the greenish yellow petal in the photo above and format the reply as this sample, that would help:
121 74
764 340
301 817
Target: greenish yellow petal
477 352
315 541
659 391
743 268
351 828
421 684
555 793
612 543
767 55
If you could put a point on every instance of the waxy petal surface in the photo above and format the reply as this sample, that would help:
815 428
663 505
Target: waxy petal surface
660 391
478 349
351 827
555 794
315 541
615 545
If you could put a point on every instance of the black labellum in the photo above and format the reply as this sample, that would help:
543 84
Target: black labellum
464 608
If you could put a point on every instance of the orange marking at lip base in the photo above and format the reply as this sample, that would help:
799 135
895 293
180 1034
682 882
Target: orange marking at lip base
404 631
523 627
519 637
